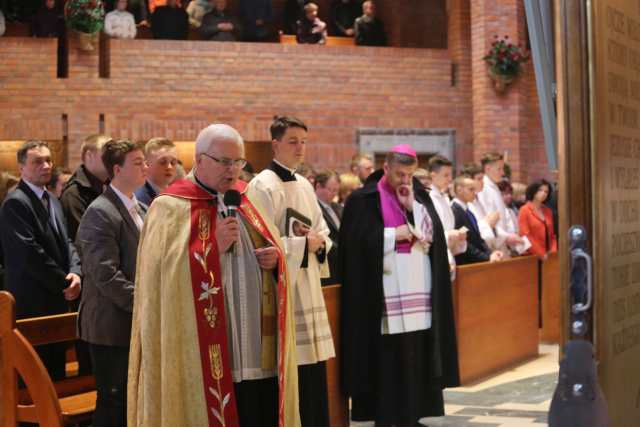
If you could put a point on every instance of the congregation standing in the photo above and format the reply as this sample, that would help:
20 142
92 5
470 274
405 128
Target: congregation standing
237 268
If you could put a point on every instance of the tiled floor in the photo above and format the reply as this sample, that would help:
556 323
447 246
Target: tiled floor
519 397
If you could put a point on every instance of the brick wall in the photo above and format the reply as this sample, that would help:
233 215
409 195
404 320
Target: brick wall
509 122
175 88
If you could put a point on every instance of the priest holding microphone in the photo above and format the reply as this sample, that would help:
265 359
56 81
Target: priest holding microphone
213 335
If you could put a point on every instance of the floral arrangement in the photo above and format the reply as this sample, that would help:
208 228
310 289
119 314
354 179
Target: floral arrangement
86 16
505 58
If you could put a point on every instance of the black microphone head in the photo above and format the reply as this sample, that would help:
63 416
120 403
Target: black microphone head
231 198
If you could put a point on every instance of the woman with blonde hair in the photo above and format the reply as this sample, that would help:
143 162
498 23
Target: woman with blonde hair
348 183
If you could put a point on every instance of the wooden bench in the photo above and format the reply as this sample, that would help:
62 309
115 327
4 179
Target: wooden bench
338 404
551 331
331 41
496 310
69 401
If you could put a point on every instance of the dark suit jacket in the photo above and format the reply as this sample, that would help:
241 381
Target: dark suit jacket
333 253
108 243
477 249
37 258
146 194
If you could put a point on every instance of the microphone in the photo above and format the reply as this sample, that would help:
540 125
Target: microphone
231 200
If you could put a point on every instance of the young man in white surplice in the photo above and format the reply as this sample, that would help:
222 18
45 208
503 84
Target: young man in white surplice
441 173
285 194
491 199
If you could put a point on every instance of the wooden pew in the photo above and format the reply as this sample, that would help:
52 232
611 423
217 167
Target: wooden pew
496 308
551 315
331 40
338 404
69 401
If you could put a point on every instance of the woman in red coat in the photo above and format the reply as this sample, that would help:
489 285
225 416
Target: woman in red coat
536 221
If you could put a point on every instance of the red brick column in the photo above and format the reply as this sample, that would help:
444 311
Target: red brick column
459 45
500 121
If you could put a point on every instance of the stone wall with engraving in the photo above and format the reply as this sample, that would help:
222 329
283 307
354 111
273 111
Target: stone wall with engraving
616 105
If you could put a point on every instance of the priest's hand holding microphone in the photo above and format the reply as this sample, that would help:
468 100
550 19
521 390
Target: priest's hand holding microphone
228 233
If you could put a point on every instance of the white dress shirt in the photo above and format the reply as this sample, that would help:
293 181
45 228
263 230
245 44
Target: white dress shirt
332 213
120 24
131 204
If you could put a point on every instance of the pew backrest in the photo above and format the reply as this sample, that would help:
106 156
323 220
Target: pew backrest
40 400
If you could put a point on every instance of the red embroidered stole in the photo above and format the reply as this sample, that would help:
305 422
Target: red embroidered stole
249 212
208 296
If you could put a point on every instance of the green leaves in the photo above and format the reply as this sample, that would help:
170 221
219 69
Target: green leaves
86 16
505 58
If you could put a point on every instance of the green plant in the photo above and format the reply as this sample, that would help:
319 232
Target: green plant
86 16
505 58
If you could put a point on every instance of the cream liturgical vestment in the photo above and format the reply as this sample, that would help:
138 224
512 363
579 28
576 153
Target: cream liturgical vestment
182 364
275 194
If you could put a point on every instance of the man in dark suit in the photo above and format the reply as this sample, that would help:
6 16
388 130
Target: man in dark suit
327 185
477 249
108 242
162 159
42 265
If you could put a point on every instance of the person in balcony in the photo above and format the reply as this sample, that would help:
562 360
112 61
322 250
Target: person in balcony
119 23
48 21
343 17
154 4
218 25
138 8
369 30
2 24
170 22
311 30
197 9
256 16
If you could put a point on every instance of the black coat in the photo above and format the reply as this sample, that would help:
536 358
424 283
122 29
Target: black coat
37 259
209 28
343 16
360 273
332 256
477 249
81 189
169 23
370 32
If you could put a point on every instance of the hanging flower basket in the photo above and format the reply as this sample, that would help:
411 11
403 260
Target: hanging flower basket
86 42
505 61
500 81
85 18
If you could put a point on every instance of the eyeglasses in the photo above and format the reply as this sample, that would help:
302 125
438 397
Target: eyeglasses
227 163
